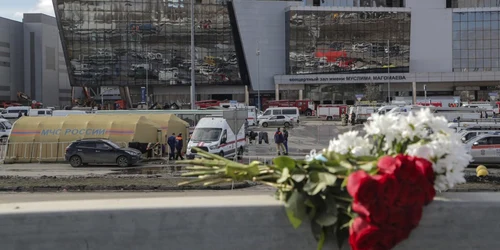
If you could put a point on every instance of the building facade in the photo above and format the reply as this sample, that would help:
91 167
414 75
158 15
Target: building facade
331 51
32 61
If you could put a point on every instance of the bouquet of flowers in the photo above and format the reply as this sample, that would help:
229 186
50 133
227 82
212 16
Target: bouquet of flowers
370 190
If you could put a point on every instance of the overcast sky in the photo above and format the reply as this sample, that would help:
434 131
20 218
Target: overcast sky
14 9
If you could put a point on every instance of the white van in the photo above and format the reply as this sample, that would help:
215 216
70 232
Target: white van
5 129
68 112
213 134
40 112
13 112
292 112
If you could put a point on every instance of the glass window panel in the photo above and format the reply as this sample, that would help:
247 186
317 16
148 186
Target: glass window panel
479 16
487 53
456 63
479 35
494 44
471 53
486 25
494 15
495 53
460 17
464 63
487 15
471 25
479 63
487 63
479 44
479 54
456 53
460 26
471 16
456 44
471 44
464 44
456 35
487 44
495 25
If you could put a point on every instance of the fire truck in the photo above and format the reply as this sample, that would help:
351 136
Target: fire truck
306 107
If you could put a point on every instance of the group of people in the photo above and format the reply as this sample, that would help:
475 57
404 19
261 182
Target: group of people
175 143
281 140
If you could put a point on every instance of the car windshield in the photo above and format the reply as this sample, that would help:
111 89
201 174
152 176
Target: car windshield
114 145
7 125
206 134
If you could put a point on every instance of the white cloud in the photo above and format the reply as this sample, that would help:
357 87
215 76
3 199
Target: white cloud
42 6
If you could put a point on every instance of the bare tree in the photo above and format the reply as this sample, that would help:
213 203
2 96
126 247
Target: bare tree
372 92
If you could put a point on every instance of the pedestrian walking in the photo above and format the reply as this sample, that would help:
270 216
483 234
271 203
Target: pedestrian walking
171 144
20 114
285 140
278 139
179 145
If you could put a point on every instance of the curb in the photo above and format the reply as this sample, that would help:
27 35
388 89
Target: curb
127 188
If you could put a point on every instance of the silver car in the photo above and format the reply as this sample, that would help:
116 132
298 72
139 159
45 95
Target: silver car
484 148
276 120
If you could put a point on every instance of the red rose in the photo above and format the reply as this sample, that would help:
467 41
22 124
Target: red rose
388 165
425 168
366 236
407 172
376 214
362 187
388 186
404 218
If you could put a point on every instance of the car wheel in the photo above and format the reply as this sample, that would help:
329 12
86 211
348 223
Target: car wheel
75 161
329 118
308 112
265 124
221 154
122 161
287 124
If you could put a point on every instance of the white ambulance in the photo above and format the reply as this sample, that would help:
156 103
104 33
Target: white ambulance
214 135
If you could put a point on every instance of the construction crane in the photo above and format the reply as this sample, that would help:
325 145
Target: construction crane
25 100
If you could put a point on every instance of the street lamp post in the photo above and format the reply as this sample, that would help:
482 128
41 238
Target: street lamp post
388 71
147 76
258 75
193 58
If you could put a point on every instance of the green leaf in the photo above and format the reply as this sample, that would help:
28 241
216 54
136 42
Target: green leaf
296 209
285 174
309 186
284 162
253 168
327 178
321 241
298 177
335 170
328 214
346 164
316 230
368 166
344 183
319 187
366 158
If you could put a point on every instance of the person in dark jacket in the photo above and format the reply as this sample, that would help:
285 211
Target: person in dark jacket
179 145
285 140
278 139
171 144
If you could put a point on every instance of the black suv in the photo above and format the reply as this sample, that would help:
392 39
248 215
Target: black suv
100 151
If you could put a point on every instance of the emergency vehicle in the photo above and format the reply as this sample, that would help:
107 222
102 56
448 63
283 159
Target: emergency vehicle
214 135
306 107
330 111
484 148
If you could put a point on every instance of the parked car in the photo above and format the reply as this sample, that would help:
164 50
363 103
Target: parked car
276 120
100 151
484 148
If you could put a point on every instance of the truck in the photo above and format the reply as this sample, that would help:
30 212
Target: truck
363 113
306 107
214 135
331 112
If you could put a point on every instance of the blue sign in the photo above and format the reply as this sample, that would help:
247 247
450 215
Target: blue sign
143 94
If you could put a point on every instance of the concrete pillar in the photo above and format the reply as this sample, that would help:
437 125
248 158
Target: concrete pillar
277 92
414 91
301 94
246 96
